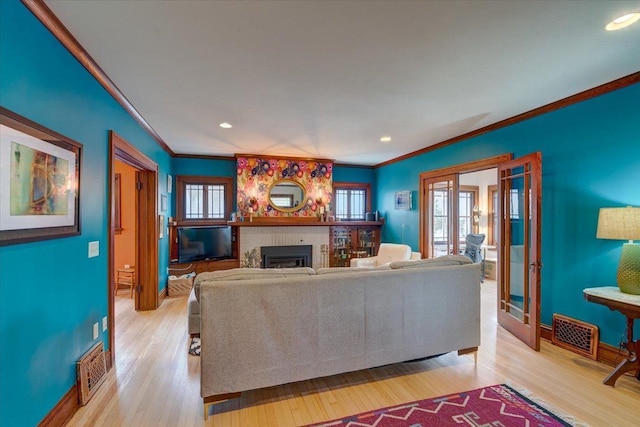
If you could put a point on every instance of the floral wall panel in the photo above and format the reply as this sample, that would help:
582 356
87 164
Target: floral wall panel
256 175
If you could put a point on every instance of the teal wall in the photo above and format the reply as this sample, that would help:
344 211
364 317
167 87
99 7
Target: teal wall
50 291
204 167
590 159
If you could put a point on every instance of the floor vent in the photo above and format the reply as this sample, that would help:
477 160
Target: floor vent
575 335
92 371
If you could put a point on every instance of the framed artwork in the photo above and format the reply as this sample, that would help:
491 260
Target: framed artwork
163 203
40 175
403 200
169 184
160 226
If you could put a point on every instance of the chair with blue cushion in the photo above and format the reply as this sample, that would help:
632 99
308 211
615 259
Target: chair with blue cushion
472 249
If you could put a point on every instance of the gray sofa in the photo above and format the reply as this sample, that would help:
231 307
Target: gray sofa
287 327
193 304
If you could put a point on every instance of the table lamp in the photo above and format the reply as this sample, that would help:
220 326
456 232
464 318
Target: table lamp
623 224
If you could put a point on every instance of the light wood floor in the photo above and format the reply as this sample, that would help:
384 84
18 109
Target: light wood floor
156 383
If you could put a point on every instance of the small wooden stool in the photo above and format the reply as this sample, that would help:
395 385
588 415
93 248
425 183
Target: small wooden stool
125 276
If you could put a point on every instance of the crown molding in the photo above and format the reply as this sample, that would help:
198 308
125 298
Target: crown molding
41 11
266 156
203 157
562 103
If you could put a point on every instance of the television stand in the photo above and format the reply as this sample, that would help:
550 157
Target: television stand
178 269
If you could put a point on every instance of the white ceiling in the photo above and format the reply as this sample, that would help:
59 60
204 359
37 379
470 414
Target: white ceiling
328 79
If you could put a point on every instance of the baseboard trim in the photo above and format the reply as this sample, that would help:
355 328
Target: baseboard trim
162 295
611 355
607 354
108 360
546 332
63 411
69 404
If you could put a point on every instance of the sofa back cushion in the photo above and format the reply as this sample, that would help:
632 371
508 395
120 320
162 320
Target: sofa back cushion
249 274
349 270
442 261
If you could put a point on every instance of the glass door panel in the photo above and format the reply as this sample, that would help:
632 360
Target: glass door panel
516 296
442 230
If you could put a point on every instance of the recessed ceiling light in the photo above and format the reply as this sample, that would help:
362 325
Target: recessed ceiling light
623 21
225 125
385 139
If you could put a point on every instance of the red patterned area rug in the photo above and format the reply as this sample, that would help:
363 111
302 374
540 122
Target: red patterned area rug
494 406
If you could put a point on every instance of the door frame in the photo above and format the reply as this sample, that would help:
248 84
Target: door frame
425 177
146 297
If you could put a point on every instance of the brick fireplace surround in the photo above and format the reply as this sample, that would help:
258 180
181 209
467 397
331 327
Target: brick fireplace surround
314 235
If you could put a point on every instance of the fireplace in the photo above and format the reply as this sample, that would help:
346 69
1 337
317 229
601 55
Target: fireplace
286 256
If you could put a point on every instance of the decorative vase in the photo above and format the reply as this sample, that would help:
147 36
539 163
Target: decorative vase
629 269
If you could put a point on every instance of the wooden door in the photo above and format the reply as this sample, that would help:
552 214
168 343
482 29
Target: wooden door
146 294
441 215
519 196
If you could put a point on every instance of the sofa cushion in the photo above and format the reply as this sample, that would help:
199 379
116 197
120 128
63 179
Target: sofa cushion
442 261
340 270
193 310
249 274
193 306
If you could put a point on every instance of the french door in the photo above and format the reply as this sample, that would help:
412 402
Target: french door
519 196
441 204
517 237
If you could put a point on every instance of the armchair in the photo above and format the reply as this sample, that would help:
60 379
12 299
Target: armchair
387 253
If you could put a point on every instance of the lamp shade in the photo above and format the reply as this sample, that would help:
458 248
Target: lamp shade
623 224
619 223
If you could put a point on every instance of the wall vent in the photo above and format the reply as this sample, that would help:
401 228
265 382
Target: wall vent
575 335
92 371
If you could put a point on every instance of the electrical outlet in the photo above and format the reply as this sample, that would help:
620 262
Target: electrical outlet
104 323
95 330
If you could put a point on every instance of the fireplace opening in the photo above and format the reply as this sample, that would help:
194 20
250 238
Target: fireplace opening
286 256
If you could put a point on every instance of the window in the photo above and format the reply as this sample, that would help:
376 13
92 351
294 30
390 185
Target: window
466 202
351 201
440 216
203 200
467 199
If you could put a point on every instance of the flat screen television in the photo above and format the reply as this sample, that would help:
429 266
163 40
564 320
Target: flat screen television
204 243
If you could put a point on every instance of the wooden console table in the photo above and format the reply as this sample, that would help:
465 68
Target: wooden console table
629 305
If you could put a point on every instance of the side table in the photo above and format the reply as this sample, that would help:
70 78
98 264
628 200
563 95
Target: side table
629 305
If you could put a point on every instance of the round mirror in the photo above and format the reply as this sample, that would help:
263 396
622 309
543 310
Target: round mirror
286 195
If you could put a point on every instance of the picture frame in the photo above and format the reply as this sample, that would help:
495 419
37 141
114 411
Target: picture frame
169 184
163 203
403 200
41 169
160 226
